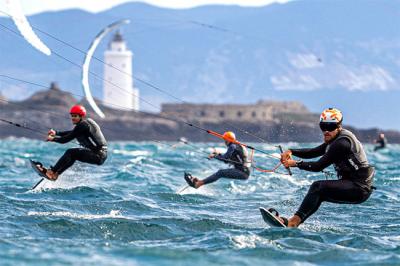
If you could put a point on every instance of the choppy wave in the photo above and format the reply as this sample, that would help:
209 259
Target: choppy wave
132 211
112 214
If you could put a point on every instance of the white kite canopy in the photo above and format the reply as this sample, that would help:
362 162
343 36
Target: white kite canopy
15 11
88 58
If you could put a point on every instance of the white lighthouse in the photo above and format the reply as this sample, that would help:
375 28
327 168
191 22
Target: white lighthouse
119 92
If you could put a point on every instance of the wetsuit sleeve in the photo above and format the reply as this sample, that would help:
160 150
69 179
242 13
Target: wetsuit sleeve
309 153
63 133
337 150
227 155
77 131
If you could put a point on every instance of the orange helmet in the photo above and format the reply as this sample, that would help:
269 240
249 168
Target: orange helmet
229 136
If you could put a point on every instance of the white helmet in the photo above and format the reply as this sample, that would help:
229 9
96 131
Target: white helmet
331 115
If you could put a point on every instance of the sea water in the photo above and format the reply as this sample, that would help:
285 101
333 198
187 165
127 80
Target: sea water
130 211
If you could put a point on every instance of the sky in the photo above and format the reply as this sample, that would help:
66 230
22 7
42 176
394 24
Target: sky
36 6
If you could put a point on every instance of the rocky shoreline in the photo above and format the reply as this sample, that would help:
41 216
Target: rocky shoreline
49 109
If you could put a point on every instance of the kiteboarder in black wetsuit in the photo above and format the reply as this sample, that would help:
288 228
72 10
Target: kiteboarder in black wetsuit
236 155
89 136
381 142
342 149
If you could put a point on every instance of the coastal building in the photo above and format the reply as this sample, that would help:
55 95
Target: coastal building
119 91
262 111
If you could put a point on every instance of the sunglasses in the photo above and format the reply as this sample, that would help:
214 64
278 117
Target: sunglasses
74 116
328 126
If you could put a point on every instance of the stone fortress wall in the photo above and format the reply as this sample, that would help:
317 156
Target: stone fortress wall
262 111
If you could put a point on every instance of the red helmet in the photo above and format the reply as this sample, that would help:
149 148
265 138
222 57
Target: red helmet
78 110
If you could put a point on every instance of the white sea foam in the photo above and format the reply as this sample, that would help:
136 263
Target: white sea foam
249 241
19 161
296 180
138 159
204 190
112 214
132 153
242 188
67 181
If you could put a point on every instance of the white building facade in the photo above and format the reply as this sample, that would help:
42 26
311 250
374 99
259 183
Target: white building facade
119 91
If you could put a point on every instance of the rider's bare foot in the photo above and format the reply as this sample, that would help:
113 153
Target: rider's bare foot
51 175
294 221
197 183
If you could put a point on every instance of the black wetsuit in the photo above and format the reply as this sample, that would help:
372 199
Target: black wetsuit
236 155
355 175
89 135
381 144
